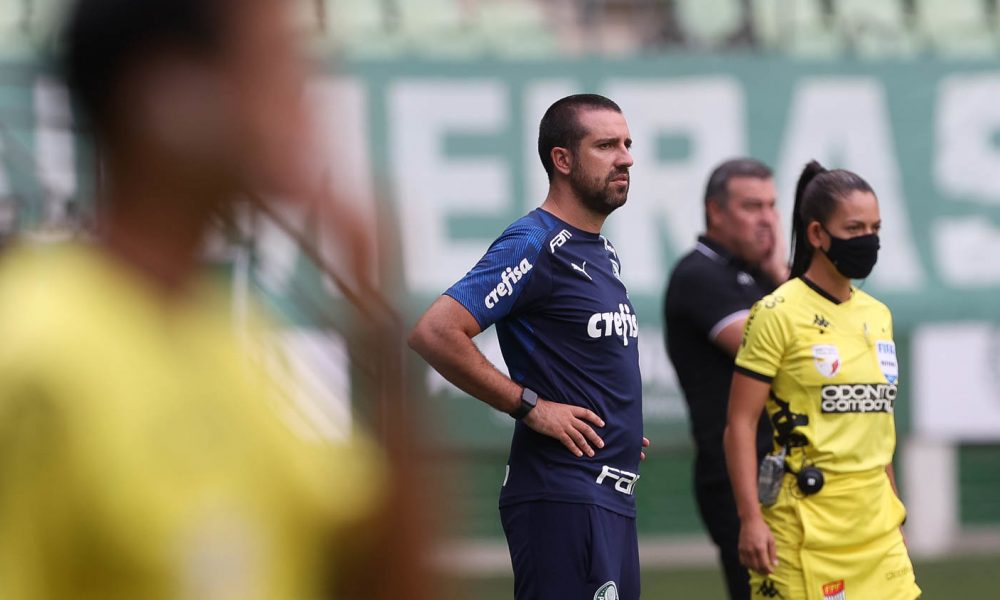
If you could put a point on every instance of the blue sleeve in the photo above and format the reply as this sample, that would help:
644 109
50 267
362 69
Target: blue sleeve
508 277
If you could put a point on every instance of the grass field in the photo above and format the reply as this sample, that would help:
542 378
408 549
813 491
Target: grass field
955 579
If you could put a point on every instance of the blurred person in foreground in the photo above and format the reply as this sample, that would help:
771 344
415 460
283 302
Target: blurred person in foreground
569 334
142 452
821 518
737 261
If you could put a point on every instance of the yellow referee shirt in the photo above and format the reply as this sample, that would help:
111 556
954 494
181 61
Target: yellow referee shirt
142 455
833 373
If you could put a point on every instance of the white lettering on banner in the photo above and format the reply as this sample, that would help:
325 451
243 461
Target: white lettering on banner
4 181
430 187
965 168
538 96
707 111
624 481
349 174
960 243
967 117
54 147
956 378
844 122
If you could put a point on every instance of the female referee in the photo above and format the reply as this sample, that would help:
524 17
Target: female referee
821 520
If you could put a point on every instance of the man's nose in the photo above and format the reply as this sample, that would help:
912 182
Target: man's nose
625 158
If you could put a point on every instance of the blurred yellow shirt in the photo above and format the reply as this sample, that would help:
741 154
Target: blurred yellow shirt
833 373
144 455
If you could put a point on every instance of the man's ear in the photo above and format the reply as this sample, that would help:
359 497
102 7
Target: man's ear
562 160
713 213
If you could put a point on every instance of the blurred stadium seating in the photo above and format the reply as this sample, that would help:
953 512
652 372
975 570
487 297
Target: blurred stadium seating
543 28
373 29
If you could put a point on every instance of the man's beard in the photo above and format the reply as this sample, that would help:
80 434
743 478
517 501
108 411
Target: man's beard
600 196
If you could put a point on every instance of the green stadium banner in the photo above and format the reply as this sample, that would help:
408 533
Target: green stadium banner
449 149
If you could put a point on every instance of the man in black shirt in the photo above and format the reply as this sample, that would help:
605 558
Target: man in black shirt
738 260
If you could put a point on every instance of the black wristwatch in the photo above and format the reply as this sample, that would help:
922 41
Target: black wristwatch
528 400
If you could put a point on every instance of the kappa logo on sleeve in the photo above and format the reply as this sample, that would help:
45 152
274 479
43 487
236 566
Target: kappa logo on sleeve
508 279
834 591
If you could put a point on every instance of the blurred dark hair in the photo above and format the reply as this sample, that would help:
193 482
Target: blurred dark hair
560 127
717 188
816 198
103 39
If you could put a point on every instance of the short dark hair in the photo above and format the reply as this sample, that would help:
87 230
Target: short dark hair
816 197
561 128
717 189
103 39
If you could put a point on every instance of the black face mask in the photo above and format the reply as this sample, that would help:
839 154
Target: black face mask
853 257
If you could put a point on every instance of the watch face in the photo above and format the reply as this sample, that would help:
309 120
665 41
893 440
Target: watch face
528 400
529 397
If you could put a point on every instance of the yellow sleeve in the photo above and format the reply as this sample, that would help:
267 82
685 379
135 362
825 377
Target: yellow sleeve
37 523
362 463
765 336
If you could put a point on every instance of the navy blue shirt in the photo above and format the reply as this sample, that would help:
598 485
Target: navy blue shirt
568 331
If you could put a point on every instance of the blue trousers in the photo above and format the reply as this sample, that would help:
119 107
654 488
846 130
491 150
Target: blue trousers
566 551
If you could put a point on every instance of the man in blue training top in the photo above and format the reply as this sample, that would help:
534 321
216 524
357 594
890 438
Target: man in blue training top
569 335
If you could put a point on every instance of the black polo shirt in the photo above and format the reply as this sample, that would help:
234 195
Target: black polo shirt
708 290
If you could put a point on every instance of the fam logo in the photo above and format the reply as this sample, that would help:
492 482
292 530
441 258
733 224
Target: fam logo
834 591
557 242
608 591
622 324
508 279
827 359
624 480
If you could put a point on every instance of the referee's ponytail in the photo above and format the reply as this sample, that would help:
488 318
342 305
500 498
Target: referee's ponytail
801 250
816 198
